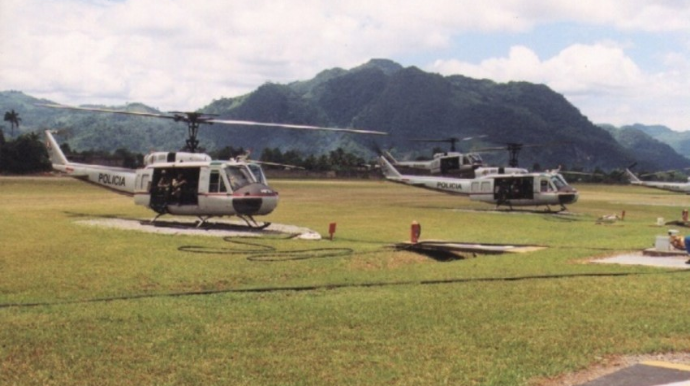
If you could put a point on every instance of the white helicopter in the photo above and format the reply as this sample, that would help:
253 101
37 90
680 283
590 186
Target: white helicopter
186 183
445 163
678 187
465 165
495 186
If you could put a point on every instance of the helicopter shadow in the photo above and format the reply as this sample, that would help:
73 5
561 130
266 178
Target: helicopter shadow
501 210
208 226
101 216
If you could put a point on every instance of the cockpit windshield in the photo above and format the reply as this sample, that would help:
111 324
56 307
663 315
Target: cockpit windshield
475 159
558 181
258 173
239 176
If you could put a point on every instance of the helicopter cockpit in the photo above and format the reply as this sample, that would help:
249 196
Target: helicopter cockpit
258 173
239 176
472 159
558 181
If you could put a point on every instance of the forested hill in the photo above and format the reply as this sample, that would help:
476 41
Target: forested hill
379 95
646 147
679 141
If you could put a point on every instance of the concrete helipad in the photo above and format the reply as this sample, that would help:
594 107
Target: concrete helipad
646 374
674 261
217 228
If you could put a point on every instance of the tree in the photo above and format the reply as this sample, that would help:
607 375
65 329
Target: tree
129 160
13 118
24 155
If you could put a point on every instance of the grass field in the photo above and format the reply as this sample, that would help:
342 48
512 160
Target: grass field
83 305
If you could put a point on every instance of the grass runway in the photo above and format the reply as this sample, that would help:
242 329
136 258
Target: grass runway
85 305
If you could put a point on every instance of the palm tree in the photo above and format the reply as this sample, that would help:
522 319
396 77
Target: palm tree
13 118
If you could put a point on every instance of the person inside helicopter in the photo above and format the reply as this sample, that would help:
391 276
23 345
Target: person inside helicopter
178 184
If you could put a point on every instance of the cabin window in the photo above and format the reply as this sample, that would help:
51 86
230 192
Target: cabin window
145 182
216 183
544 186
486 187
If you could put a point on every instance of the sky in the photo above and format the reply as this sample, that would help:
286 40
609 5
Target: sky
618 62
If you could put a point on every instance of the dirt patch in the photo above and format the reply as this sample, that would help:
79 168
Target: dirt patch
610 366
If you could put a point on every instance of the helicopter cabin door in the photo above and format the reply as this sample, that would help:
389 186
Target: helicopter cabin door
214 192
513 188
450 164
174 186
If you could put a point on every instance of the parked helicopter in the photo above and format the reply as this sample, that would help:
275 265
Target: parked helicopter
495 186
464 165
445 163
187 183
678 187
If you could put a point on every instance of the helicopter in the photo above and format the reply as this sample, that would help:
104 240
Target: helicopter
464 165
186 183
678 187
445 163
495 186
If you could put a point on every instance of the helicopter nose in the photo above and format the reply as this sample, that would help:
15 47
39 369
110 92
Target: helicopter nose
569 197
254 199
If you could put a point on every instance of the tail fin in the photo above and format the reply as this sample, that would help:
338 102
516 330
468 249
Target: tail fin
57 157
633 178
390 157
387 169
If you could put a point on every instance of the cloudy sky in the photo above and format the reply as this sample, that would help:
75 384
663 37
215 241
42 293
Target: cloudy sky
619 62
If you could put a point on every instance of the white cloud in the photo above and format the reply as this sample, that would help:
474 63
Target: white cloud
600 79
181 54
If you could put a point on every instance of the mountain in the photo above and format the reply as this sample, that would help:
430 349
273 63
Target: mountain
92 131
406 102
650 153
411 104
679 141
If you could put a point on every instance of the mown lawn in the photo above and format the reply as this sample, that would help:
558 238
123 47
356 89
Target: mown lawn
83 305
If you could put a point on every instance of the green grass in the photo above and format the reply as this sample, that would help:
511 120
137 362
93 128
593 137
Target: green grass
112 309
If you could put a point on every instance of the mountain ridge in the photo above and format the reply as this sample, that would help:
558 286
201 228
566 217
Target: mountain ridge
406 102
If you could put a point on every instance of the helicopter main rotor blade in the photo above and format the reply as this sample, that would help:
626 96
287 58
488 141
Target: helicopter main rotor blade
197 118
101 110
291 126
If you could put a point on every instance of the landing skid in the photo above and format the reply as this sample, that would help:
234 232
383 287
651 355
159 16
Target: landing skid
156 218
252 223
562 209
203 220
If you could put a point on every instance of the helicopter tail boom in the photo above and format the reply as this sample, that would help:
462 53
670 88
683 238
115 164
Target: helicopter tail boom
120 180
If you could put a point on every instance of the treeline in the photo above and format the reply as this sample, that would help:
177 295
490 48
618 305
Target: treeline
120 157
25 154
336 160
